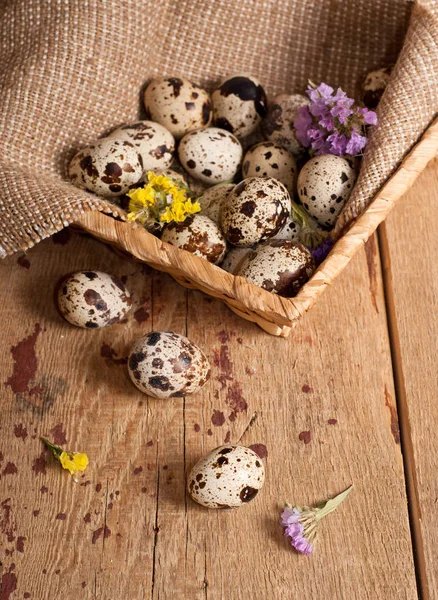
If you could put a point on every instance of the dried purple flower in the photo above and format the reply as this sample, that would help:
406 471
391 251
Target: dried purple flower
301 524
321 252
332 124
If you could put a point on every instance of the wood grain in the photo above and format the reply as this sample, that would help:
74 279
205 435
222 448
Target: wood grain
321 404
411 235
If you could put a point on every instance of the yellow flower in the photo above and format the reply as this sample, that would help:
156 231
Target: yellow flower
73 461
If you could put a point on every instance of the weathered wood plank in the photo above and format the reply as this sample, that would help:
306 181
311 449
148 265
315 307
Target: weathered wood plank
149 539
411 238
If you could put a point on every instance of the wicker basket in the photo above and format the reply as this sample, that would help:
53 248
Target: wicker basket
274 314
71 71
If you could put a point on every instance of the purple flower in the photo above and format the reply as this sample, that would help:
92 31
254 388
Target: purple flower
332 124
321 252
301 524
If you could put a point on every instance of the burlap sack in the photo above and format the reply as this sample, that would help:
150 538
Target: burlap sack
70 70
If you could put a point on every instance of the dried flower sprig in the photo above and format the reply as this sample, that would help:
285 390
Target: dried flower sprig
301 524
332 123
71 461
163 199
310 234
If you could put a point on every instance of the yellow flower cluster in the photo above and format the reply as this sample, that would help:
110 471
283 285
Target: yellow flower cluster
160 199
73 461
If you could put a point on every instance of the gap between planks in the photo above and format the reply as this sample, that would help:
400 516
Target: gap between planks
407 449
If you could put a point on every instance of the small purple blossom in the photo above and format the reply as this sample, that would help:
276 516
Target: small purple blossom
332 124
301 524
321 252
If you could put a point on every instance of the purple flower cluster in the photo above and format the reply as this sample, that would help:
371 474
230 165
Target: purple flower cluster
290 519
332 124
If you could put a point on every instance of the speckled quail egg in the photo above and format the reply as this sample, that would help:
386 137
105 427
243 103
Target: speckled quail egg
234 259
291 231
279 266
269 160
212 199
93 299
107 167
199 235
278 125
255 210
227 477
239 104
153 142
211 155
178 104
324 185
374 85
164 364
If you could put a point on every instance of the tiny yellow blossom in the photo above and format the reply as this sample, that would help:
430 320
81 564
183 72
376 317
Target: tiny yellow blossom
73 461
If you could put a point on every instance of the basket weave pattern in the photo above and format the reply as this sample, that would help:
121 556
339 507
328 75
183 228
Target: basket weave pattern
72 70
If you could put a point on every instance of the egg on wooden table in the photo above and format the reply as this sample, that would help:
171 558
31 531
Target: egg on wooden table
239 104
92 299
324 185
279 266
107 167
255 210
266 159
227 477
212 199
278 125
154 143
212 155
164 364
178 104
199 235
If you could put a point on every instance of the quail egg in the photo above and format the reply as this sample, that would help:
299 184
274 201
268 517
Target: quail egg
324 185
93 299
178 104
212 199
107 167
227 477
234 259
279 266
153 142
199 235
374 85
266 159
164 364
255 210
211 155
278 125
239 104
291 231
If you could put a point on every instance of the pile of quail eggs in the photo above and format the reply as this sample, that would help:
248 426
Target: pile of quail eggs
243 157
164 364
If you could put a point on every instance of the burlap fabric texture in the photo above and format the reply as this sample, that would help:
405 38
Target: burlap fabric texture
71 70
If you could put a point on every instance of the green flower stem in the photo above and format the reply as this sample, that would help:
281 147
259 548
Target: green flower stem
56 450
310 235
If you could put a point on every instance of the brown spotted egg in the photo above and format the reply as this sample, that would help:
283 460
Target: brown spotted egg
278 125
212 199
291 231
107 167
153 142
239 104
269 160
164 364
93 299
211 155
324 185
279 266
374 85
178 104
255 210
199 235
234 259
227 477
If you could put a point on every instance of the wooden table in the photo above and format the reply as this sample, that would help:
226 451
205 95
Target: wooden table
350 397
